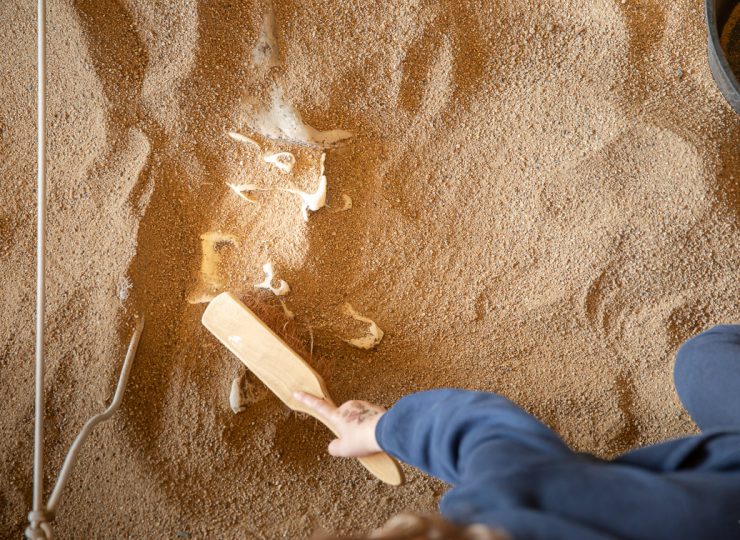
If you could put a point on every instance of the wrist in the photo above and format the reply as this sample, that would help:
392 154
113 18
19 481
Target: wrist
373 433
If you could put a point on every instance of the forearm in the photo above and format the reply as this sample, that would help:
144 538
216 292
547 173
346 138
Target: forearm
443 432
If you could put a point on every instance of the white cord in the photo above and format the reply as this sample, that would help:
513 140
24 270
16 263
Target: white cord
38 438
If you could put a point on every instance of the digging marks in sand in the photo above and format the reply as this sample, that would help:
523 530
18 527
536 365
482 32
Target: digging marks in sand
649 184
186 391
514 179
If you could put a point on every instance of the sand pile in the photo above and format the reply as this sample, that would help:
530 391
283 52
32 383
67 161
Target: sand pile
545 203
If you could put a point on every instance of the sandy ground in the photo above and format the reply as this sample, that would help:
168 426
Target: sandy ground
545 203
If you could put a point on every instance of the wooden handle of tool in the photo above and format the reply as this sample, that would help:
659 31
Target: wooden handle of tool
384 467
381 465
279 367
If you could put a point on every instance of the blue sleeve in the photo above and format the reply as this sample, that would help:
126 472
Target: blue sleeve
707 377
509 470
442 431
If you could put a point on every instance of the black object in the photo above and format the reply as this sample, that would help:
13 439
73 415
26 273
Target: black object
717 14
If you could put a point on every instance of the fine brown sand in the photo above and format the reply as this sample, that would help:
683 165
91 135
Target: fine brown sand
545 205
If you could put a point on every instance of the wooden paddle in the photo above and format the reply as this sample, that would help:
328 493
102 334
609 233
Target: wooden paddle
278 366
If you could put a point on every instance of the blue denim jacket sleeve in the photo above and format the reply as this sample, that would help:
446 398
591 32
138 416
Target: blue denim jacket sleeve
442 432
509 470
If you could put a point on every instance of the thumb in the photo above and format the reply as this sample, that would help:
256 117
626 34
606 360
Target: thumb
336 447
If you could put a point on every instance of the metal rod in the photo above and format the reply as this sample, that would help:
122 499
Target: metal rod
71 458
38 439
40 516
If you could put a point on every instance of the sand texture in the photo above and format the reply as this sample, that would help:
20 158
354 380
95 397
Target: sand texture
545 202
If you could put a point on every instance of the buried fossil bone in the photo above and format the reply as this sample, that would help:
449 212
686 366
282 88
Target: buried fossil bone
238 137
281 121
347 200
290 315
285 161
237 396
211 281
281 290
245 191
316 200
346 204
374 333
311 201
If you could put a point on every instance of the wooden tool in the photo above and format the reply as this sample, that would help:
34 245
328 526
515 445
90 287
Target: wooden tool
278 366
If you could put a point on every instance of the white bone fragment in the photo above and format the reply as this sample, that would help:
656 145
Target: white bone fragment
238 137
283 122
201 298
282 160
311 201
347 203
237 400
282 289
288 313
374 333
322 159
316 200
266 53
244 191
211 280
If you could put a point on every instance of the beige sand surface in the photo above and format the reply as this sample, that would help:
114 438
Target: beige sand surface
545 205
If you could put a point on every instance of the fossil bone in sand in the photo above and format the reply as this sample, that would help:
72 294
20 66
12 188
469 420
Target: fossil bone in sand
281 121
346 203
312 201
266 52
211 281
374 333
285 161
316 200
237 397
286 311
238 137
245 190
281 290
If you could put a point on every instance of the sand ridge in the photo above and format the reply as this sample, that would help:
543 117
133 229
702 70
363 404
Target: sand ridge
545 203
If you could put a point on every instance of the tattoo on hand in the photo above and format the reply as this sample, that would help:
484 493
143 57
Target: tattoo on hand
359 414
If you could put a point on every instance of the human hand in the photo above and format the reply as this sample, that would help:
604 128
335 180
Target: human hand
354 421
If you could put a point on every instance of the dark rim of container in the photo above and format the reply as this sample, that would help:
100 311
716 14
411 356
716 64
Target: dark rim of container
718 11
